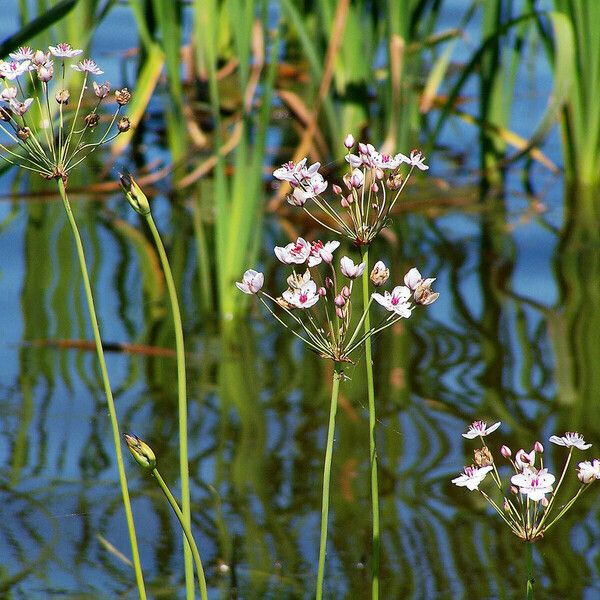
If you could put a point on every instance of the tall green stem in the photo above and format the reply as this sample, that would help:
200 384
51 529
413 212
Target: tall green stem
372 423
326 478
529 559
182 403
107 390
186 531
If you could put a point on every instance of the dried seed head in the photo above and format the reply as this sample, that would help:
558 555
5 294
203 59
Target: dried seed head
380 274
122 96
124 124
24 133
483 457
62 96
394 181
92 120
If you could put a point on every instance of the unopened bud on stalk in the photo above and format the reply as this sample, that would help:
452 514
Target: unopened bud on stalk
506 505
328 282
124 124
24 133
544 502
506 451
142 453
101 90
538 447
62 96
339 300
322 291
380 274
346 291
122 96
39 58
379 174
349 141
374 187
343 202
92 120
339 311
134 194
336 189
514 489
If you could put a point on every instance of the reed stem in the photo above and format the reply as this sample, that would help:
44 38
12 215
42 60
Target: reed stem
326 478
187 532
181 404
107 390
372 424
529 560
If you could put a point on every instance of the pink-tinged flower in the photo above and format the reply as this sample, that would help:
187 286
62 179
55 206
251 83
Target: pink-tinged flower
421 287
295 253
471 477
479 428
65 51
349 141
12 70
397 301
87 66
251 283
524 460
309 188
506 451
23 53
533 483
415 159
588 471
322 252
8 94
303 297
39 58
46 71
571 439
349 269
386 161
357 179
101 90
21 107
296 173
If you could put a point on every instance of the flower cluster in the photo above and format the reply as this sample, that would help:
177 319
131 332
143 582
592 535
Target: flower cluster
526 507
51 140
372 187
325 299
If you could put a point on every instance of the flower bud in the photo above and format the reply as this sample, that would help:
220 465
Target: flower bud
45 72
538 447
337 190
322 291
344 203
328 282
142 453
92 120
362 148
544 502
124 124
122 96
23 133
506 451
357 179
134 194
374 187
506 505
514 489
379 174
349 141
380 274
62 96
339 300
339 311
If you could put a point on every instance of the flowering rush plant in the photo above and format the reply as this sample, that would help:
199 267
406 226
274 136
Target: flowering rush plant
41 134
528 501
370 189
321 302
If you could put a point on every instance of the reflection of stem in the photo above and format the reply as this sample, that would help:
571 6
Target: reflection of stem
186 530
182 401
107 390
529 553
372 422
326 477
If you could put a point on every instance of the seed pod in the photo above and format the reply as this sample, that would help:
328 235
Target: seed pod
122 96
124 124
92 120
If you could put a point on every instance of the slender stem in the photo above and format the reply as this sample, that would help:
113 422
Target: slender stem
372 424
326 478
187 532
107 390
529 559
181 405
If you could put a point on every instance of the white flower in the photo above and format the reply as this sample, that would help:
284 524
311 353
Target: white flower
294 253
397 301
296 173
21 107
524 460
533 483
251 282
65 51
349 269
101 90
46 71
588 471
357 178
322 252
12 70
89 66
471 477
349 141
309 188
479 428
421 287
415 159
8 94
571 439
23 53
386 161
303 297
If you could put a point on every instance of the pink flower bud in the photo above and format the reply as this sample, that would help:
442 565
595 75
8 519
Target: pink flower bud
544 501
514 489
349 141
374 187
379 174
337 190
350 198
538 447
506 451
328 282
346 291
322 291
339 312
339 300
344 203
362 148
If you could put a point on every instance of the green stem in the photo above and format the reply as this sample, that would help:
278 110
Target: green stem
326 478
530 580
372 425
187 532
107 390
182 403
